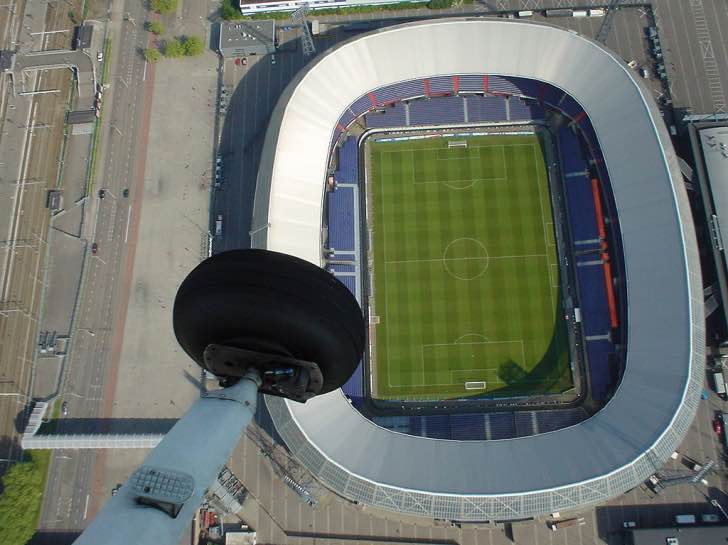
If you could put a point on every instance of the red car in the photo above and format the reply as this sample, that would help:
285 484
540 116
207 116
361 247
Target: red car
718 426
94 248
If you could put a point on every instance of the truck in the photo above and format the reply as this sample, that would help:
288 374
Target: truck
719 384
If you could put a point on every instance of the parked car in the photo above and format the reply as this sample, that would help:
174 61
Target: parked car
102 193
645 72
64 408
94 248
100 56
125 193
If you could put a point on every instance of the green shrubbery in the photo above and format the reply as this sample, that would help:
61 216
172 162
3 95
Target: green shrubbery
21 499
163 6
155 27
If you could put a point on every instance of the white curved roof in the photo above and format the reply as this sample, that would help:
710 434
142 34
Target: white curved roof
653 407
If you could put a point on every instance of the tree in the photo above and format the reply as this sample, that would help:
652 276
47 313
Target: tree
155 27
20 501
229 10
152 54
163 6
193 46
173 48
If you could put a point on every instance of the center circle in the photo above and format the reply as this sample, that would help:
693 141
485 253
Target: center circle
465 259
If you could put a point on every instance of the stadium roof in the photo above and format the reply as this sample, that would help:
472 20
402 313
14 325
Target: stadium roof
652 409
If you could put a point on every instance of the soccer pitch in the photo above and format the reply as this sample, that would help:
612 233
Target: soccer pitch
466 278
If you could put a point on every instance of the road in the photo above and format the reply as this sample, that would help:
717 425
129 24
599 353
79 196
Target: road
98 321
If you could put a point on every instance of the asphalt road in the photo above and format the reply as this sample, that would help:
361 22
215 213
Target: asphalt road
68 495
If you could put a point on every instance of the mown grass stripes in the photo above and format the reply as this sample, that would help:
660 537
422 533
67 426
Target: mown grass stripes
462 262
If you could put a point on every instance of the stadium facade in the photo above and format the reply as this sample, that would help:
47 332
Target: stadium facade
651 410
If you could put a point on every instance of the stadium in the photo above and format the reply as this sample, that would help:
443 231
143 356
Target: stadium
504 200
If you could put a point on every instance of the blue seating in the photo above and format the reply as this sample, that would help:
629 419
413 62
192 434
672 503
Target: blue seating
471 83
551 95
500 84
346 118
527 87
349 281
554 420
361 105
392 116
520 110
441 85
599 371
524 424
486 108
436 426
437 111
348 171
354 387
593 300
341 218
400 91
580 203
570 107
571 156
466 427
337 268
500 425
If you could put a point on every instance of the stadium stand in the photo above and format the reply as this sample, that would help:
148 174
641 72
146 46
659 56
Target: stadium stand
501 85
484 109
444 110
526 87
520 110
471 83
360 106
339 268
580 202
400 91
392 116
499 426
525 423
348 171
440 108
441 85
354 387
341 219
599 372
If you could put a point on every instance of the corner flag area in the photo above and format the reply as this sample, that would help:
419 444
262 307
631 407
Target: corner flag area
466 291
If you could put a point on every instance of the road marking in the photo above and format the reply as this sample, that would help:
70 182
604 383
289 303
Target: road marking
85 509
128 220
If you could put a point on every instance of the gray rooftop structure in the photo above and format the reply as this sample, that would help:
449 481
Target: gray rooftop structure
651 410
243 38
709 141
685 535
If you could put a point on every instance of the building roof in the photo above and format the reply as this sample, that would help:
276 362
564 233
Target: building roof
686 535
653 407
714 144
241 34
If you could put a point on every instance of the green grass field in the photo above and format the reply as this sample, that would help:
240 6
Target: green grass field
465 270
